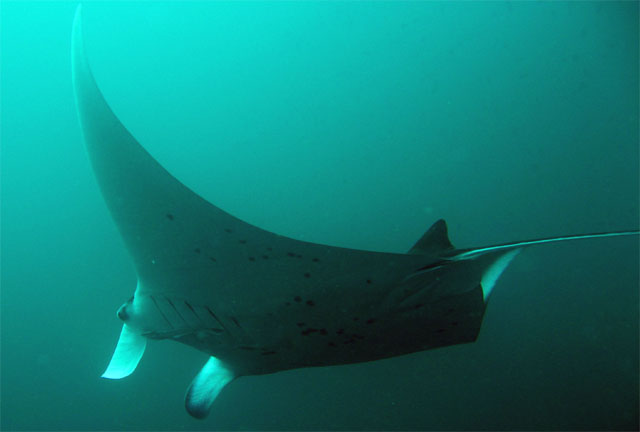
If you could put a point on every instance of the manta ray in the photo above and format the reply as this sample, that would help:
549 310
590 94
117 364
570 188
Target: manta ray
256 302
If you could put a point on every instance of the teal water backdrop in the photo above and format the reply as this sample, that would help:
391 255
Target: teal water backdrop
355 124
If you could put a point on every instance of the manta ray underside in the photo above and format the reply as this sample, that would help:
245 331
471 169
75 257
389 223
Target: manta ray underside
257 302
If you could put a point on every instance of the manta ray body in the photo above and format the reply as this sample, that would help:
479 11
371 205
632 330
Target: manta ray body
256 302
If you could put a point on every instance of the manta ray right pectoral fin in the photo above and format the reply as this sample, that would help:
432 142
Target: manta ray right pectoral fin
206 386
127 355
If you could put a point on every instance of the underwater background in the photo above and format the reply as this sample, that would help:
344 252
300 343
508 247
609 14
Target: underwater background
356 124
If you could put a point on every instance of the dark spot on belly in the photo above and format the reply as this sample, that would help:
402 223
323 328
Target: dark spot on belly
307 275
357 336
212 259
311 303
270 249
350 341
315 260
369 281
331 344
242 241
298 256
300 324
454 323
169 216
197 250
308 331
287 304
340 331
252 259
418 306
265 257
228 230
291 254
371 321
441 330
356 318
323 332
297 299
268 353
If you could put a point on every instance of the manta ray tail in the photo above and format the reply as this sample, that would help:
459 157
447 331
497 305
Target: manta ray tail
503 254
494 259
464 254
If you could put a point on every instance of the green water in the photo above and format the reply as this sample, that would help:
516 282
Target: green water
355 124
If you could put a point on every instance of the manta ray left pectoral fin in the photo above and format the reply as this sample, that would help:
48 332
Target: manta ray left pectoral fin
127 355
206 386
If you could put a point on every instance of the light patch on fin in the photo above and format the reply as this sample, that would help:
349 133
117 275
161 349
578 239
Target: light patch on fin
127 355
491 275
206 386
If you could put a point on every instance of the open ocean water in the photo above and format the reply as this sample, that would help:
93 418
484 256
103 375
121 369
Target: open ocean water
355 124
